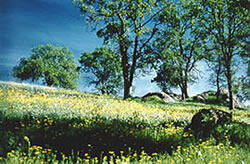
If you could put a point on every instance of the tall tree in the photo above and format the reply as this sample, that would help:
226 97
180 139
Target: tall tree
228 22
179 46
130 25
213 58
241 86
105 65
55 66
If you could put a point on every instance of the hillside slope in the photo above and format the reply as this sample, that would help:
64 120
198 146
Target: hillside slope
98 125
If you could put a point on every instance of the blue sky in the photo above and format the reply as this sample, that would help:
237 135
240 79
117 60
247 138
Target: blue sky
27 23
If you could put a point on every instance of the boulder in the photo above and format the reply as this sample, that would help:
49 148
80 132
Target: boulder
205 95
224 93
174 96
204 123
209 97
164 96
237 102
199 98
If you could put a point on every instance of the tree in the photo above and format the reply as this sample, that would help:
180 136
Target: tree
213 58
105 65
179 46
241 85
241 89
227 22
130 25
55 66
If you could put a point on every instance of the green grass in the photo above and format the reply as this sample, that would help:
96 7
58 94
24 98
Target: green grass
44 125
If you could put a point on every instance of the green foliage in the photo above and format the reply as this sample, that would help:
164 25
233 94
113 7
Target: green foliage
239 133
168 76
105 65
217 71
220 126
179 46
129 25
154 99
241 88
55 66
36 136
226 20
234 132
213 100
226 25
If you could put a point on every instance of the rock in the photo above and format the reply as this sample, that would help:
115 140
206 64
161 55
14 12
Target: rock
204 122
224 93
210 98
164 96
205 95
199 98
174 96
237 102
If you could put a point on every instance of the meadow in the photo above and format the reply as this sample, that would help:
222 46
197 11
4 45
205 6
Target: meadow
50 125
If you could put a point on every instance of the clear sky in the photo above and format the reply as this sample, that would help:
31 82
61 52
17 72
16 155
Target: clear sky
27 23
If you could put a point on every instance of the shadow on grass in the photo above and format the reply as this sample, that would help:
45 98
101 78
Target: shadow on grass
97 138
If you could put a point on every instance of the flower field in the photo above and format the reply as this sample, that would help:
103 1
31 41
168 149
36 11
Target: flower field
44 125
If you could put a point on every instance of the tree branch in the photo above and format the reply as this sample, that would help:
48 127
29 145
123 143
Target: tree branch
150 37
146 22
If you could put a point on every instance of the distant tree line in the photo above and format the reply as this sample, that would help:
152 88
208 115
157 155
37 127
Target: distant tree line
170 37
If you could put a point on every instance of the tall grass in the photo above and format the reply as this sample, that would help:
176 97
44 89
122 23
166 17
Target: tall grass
40 124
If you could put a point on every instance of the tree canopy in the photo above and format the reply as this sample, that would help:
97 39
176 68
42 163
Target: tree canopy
179 46
105 65
130 25
175 35
55 66
226 23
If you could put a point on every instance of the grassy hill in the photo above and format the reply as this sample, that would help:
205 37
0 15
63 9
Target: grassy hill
42 124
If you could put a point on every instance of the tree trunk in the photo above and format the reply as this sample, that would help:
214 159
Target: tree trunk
182 95
181 85
126 80
127 87
185 89
218 79
182 92
185 83
229 82
125 64
103 91
49 82
218 88
184 76
128 84
125 71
